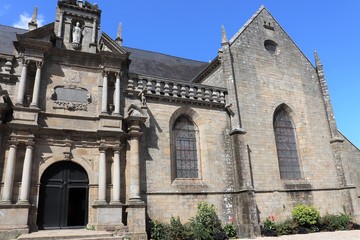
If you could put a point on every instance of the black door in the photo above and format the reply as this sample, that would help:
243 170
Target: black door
63 198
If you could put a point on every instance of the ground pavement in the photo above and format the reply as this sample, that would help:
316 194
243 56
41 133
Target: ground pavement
338 235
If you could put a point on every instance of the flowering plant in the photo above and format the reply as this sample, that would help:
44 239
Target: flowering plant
270 223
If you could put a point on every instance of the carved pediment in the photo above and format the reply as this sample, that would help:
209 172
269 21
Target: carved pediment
135 111
44 33
109 45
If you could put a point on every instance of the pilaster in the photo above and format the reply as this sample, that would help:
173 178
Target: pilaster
245 203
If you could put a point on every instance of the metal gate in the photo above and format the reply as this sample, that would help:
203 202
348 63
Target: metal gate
63 197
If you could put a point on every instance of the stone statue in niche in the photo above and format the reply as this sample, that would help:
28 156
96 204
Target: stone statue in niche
76 36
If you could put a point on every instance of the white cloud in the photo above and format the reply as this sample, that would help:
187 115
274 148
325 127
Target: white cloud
4 9
25 18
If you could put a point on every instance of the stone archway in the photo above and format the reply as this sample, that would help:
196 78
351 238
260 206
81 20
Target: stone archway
63 197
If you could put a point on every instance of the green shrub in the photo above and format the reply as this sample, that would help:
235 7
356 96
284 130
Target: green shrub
269 225
305 215
159 230
230 230
206 224
331 222
287 227
178 231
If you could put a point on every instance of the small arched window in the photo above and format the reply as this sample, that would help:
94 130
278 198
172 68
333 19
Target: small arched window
286 145
185 154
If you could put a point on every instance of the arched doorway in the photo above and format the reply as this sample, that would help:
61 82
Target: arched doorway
63 197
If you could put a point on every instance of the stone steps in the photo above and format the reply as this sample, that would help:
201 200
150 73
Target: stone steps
73 234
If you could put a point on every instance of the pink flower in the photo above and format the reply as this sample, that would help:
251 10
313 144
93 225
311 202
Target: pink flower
271 218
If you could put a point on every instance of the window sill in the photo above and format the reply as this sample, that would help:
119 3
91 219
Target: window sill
296 184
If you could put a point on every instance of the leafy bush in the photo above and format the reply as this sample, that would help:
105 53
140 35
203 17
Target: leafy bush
331 222
268 224
230 230
206 224
287 227
159 230
178 231
305 215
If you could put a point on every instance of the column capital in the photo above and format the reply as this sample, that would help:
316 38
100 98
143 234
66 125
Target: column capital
39 64
13 142
103 148
30 143
135 135
118 148
106 73
25 62
118 74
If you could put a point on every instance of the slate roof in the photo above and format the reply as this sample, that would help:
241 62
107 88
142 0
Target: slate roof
143 62
7 36
162 65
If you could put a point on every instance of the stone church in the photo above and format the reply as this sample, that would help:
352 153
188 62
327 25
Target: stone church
96 134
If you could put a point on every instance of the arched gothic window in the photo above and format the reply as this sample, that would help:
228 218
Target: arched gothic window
287 152
185 155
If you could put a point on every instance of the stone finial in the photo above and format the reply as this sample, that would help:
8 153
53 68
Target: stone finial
33 22
119 39
224 39
80 3
317 59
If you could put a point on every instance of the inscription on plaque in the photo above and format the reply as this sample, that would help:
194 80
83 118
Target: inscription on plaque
71 98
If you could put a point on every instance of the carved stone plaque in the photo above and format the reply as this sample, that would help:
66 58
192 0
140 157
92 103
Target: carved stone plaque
71 98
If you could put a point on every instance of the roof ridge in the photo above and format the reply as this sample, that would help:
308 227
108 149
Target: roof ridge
2 25
248 22
165 54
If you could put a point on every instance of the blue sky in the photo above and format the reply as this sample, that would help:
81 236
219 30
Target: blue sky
192 29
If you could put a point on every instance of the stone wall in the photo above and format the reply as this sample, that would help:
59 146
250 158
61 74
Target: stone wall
264 81
165 195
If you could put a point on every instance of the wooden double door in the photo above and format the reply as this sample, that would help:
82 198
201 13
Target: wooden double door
63 197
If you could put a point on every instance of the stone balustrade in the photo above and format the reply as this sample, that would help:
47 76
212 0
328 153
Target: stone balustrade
178 91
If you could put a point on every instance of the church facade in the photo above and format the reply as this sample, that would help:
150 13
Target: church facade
95 134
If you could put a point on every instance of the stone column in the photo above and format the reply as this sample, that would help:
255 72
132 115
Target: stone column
60 24
116 177
36 91
9 174
134 169
26 174
102 176
104 103
21 90
117 94
93 36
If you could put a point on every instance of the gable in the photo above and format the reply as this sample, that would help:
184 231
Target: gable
264 52
44 33
107 44
261 29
